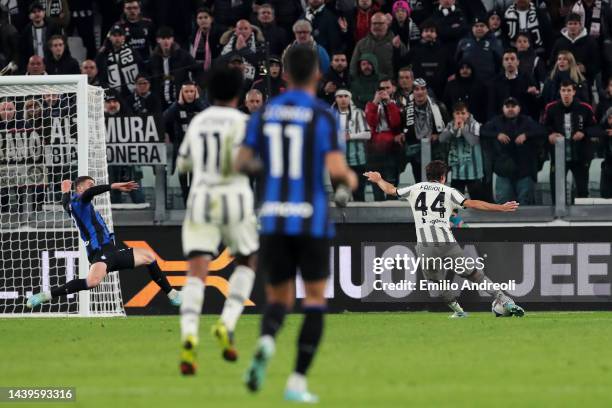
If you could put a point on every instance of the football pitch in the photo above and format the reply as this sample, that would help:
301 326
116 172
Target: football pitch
366 360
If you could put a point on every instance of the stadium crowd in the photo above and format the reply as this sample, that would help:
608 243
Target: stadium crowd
491 83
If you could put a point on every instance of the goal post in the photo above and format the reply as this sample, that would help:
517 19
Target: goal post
51 128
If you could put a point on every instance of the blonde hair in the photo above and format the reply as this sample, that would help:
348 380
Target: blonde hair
574 71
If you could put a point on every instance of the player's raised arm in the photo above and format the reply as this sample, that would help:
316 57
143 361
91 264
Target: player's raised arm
339 171
376 178
510 206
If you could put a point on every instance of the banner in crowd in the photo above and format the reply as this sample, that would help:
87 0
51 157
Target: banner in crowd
573 272
22 155
134 140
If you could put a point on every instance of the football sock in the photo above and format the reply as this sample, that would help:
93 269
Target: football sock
273 319
75 285
297 382
159 277
455 307
191 306
240 285
310 336
480 277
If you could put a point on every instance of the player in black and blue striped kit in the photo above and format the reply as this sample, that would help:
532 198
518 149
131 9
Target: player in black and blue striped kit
102 253
296 137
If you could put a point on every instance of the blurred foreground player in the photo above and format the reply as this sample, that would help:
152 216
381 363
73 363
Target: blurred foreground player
102 253
219 210
432 204
296 137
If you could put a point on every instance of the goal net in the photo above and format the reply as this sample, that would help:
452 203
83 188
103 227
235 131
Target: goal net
51 128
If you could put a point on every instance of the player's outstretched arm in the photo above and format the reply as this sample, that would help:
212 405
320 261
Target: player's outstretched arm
125 187
510 206
342 174
376 178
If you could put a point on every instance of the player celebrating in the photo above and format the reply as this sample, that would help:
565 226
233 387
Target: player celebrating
432 203
296 137
102 253
219 209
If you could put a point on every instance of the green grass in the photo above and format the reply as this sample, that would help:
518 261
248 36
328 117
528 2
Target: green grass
366 360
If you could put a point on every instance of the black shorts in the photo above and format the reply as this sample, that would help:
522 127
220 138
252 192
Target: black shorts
115 258
280 257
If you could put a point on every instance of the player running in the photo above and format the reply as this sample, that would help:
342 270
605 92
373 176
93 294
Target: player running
102 253
296 136
432 203
220 209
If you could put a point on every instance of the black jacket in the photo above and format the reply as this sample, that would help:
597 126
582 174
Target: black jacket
452 27
432 63
140 36
584 48
27 40
325 30
182 68
341 80
275 36
176 121
64 66
582 119
471 92
502 88
512 160
145 105
227 14
9 44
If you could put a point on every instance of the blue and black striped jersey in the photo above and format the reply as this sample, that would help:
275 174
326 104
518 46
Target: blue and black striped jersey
90 223
292 134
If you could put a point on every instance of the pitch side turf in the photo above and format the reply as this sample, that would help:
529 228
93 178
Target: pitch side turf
367 360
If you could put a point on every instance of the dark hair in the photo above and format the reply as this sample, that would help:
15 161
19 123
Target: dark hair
339 52
510 51
429 24
165 32
189 83
56 37
567 82
460 106
435 170
224 84
301 63
81 179
204 10
131 1
385 79
573 17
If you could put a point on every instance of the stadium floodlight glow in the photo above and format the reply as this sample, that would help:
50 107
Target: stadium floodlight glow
51 128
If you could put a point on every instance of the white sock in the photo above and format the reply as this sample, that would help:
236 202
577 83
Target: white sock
297 382
240 286
267 343
455 307
191 306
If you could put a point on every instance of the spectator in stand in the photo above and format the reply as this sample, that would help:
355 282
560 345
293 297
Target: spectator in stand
356 133
139 30
430 61
465 88
118 64
114 106
405 82
523 15
359 19
481 49
276 37
605 142
384 119
246 40
381 42
605 102
465 157
9 48
111 12
338 77
58 12
421 10
82 20
422 118
35 35
596 17
176 121
572 120
575 39
235 60
89 68
36 66
34 186
530 63
171 66
451 23
325 26
494 22
252 101
565 69
229 12
143 101
515 139
206 43
512 83
8 125
302 29
365 84
59 61
276 83
402 24
286 12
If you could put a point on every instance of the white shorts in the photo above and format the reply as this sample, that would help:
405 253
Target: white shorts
220 215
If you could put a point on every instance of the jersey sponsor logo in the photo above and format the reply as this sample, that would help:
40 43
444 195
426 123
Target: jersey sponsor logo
288 113
279 209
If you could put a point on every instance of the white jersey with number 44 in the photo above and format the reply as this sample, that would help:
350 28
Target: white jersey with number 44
210 147
432 205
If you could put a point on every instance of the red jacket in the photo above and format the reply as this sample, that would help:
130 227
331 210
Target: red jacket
362 21
383 141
